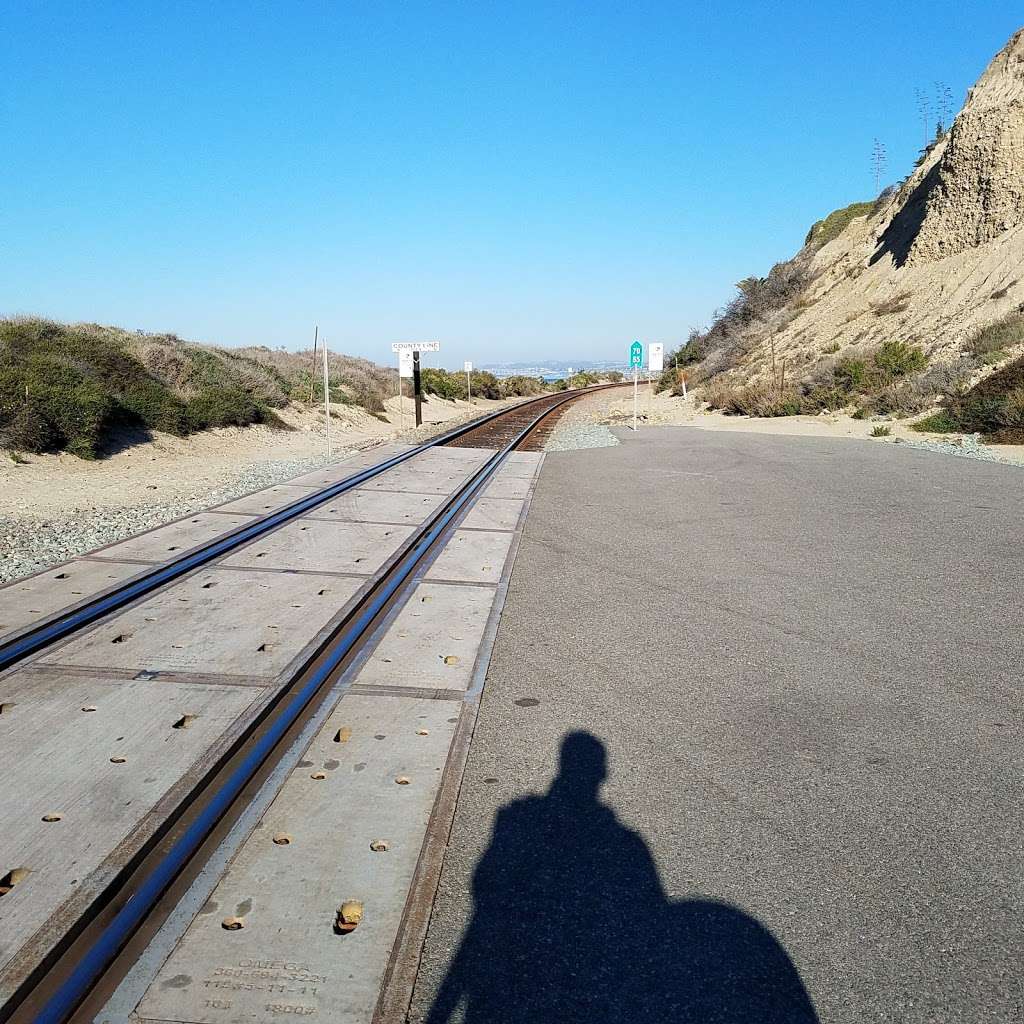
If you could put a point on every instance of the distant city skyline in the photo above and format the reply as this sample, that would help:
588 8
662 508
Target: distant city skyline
521 182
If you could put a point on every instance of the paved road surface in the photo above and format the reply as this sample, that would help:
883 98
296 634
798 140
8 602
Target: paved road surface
798 663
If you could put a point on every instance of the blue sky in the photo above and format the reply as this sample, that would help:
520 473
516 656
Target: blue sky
518 180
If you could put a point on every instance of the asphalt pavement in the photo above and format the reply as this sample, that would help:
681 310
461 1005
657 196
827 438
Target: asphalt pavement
750 747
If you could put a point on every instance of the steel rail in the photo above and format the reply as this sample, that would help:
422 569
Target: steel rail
51 630
314 677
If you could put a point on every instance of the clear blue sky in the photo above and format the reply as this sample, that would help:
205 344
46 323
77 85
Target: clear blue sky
516 179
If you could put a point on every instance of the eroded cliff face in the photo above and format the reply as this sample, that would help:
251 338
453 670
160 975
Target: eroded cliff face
977 191
941 258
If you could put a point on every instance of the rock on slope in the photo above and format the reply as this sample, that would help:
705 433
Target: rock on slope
941 258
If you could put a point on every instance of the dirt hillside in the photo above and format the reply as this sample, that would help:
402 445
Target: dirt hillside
928 264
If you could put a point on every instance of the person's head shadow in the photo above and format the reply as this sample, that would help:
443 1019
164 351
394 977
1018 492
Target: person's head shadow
571 923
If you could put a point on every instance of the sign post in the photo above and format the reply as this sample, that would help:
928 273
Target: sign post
655 365
417 393
409 366
636 358
404 373
468 367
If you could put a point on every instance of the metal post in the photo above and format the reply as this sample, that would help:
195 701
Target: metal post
469 394
416 386
636 385
327 399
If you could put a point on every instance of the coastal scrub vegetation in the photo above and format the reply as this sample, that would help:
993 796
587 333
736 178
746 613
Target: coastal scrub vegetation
72 387
993 408
875 383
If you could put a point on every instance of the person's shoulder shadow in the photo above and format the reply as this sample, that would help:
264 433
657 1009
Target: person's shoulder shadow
571 923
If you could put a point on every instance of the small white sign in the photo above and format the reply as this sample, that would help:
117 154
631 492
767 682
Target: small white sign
655 357
415 346
467 367
405 362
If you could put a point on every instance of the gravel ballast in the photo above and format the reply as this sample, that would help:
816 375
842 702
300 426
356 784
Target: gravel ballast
572 437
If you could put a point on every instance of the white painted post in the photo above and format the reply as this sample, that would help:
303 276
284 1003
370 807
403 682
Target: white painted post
468 367
327 399
636 385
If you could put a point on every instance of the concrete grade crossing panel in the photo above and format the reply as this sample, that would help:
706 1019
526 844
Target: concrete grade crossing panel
166 543
472 556
348 825
526 469
249 625
269 500
84 760
508 487
28 601
314 545
433 641
359 505
421 481
494 514
338 471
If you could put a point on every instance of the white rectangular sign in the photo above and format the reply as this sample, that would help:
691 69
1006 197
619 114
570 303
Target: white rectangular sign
655 357
405 362
467 367
416 346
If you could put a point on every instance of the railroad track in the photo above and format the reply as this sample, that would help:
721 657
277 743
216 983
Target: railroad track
93 951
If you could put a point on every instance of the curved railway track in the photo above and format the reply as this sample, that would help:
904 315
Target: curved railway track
98 946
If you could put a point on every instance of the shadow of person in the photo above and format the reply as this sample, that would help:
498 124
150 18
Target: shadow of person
570 923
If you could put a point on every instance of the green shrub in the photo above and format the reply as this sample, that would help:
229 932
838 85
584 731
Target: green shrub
898 359
222 407
850 374
583 379
68 387
994 407
517 385
880 431
938 423
831 227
